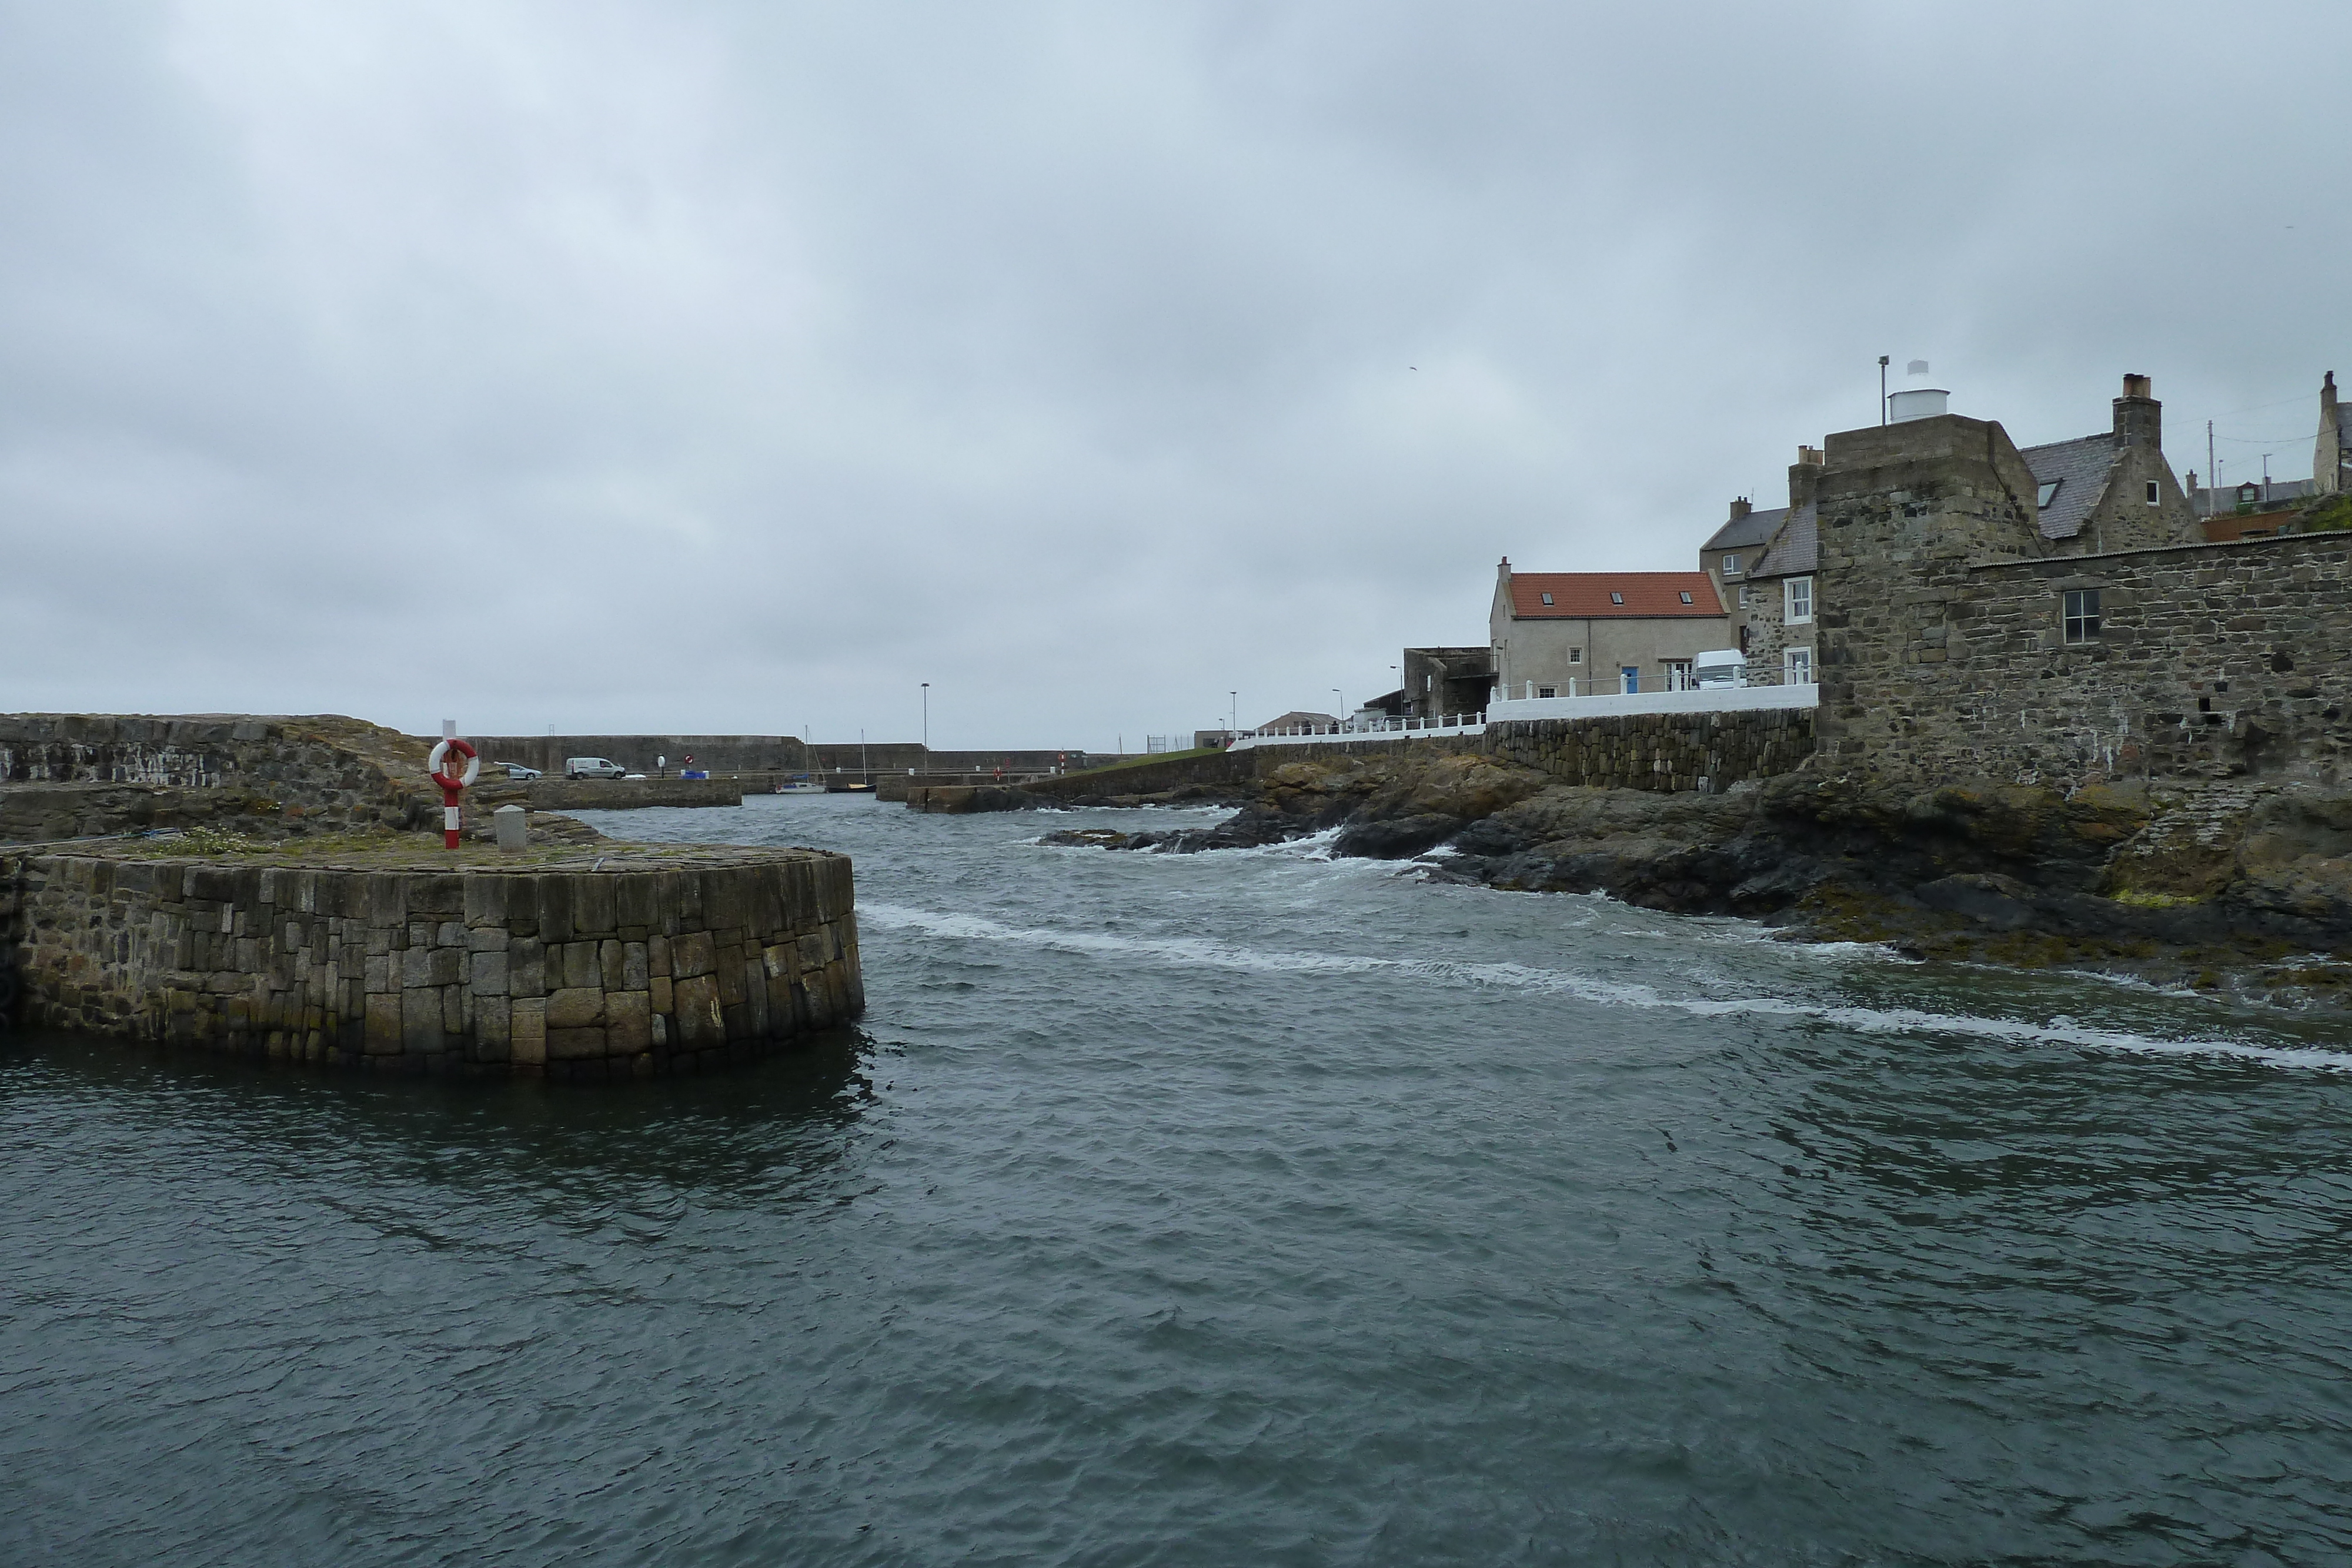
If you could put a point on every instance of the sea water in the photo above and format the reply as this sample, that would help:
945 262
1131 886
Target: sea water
1252 1207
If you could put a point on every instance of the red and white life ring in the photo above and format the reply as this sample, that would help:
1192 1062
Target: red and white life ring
440 754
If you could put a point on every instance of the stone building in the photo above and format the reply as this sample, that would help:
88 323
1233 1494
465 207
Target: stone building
1574 633
1440 681
2331 454
1961 634
2110 491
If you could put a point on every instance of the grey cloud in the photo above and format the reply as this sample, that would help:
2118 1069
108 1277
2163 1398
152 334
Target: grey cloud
620 366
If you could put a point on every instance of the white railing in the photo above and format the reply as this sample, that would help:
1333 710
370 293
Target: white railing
1694 699
1365 729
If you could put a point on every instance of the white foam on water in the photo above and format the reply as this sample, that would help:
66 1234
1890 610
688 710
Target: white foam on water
1205 952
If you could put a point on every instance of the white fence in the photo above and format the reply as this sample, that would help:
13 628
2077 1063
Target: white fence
1602 704
1366 730
1699 699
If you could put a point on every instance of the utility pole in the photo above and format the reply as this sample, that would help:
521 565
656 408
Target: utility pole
1881 388
927 726
2212 474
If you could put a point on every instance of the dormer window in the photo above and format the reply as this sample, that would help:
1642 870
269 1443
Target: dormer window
1616 599
1547 598
2049 494
1686 598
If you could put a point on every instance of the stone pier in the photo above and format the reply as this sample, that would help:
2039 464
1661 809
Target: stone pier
635 962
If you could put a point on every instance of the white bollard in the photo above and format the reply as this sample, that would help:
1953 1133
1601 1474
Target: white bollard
514 829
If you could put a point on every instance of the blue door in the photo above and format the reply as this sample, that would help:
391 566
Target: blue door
1632 675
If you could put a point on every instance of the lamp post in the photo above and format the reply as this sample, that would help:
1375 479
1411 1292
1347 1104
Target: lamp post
1233 718
1340 705
927 726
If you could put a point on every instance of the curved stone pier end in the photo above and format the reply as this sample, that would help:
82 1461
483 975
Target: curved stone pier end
637 963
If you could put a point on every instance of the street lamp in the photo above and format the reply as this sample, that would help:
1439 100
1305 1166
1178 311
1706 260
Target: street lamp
1233 718
927 726
1340 704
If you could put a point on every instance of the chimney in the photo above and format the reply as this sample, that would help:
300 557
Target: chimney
1740 508
1804 478
2139 418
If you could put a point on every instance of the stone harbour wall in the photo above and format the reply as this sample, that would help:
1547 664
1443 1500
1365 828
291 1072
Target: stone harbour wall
1667 751
70 775
575 974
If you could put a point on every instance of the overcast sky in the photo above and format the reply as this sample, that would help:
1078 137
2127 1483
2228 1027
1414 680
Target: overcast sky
702 366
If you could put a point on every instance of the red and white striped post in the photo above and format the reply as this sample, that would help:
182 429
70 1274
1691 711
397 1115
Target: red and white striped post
451 785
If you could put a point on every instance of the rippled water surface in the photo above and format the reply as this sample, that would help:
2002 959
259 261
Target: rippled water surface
1240 1207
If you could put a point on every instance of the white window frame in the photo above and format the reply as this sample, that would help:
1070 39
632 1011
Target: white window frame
1796 601
1731 566
2155 493
1679 678
1792 660
1546 691
1576 655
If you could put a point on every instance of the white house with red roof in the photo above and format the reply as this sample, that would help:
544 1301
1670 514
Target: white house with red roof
1583 633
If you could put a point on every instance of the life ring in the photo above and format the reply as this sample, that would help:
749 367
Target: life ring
440 753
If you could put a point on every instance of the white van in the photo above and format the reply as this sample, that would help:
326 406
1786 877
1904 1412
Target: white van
1719 667
592 767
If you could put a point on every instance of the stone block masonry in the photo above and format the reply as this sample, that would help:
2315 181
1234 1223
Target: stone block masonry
1671 751
659 964
1674 752
1957 642
72 775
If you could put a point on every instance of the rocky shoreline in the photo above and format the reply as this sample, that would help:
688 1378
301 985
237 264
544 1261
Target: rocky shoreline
2242 885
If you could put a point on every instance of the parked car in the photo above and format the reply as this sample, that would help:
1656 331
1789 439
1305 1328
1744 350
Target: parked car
517 770
593 768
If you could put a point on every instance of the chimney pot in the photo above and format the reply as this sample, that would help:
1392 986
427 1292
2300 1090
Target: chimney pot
2136 386
1740 508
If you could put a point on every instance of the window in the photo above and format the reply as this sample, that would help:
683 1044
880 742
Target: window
1547 598
1797 666
2154 497
2048 493
1798 596
1731 566
1576 655
2082 612
1616 599
1686 598
1546 691
1678 675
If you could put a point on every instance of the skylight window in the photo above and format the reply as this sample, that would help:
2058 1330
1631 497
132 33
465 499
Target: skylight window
1547 598
2048 493
1686 598
1616 599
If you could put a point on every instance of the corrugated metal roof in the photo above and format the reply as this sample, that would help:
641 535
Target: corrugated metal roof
1580 595
1740 532
2079 468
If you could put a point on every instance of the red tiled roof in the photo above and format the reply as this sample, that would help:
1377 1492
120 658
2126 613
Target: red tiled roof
1577 595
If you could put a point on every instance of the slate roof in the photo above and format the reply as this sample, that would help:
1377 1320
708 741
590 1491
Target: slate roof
1740 532
2225 499
1580 595
2080 468
1795 551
